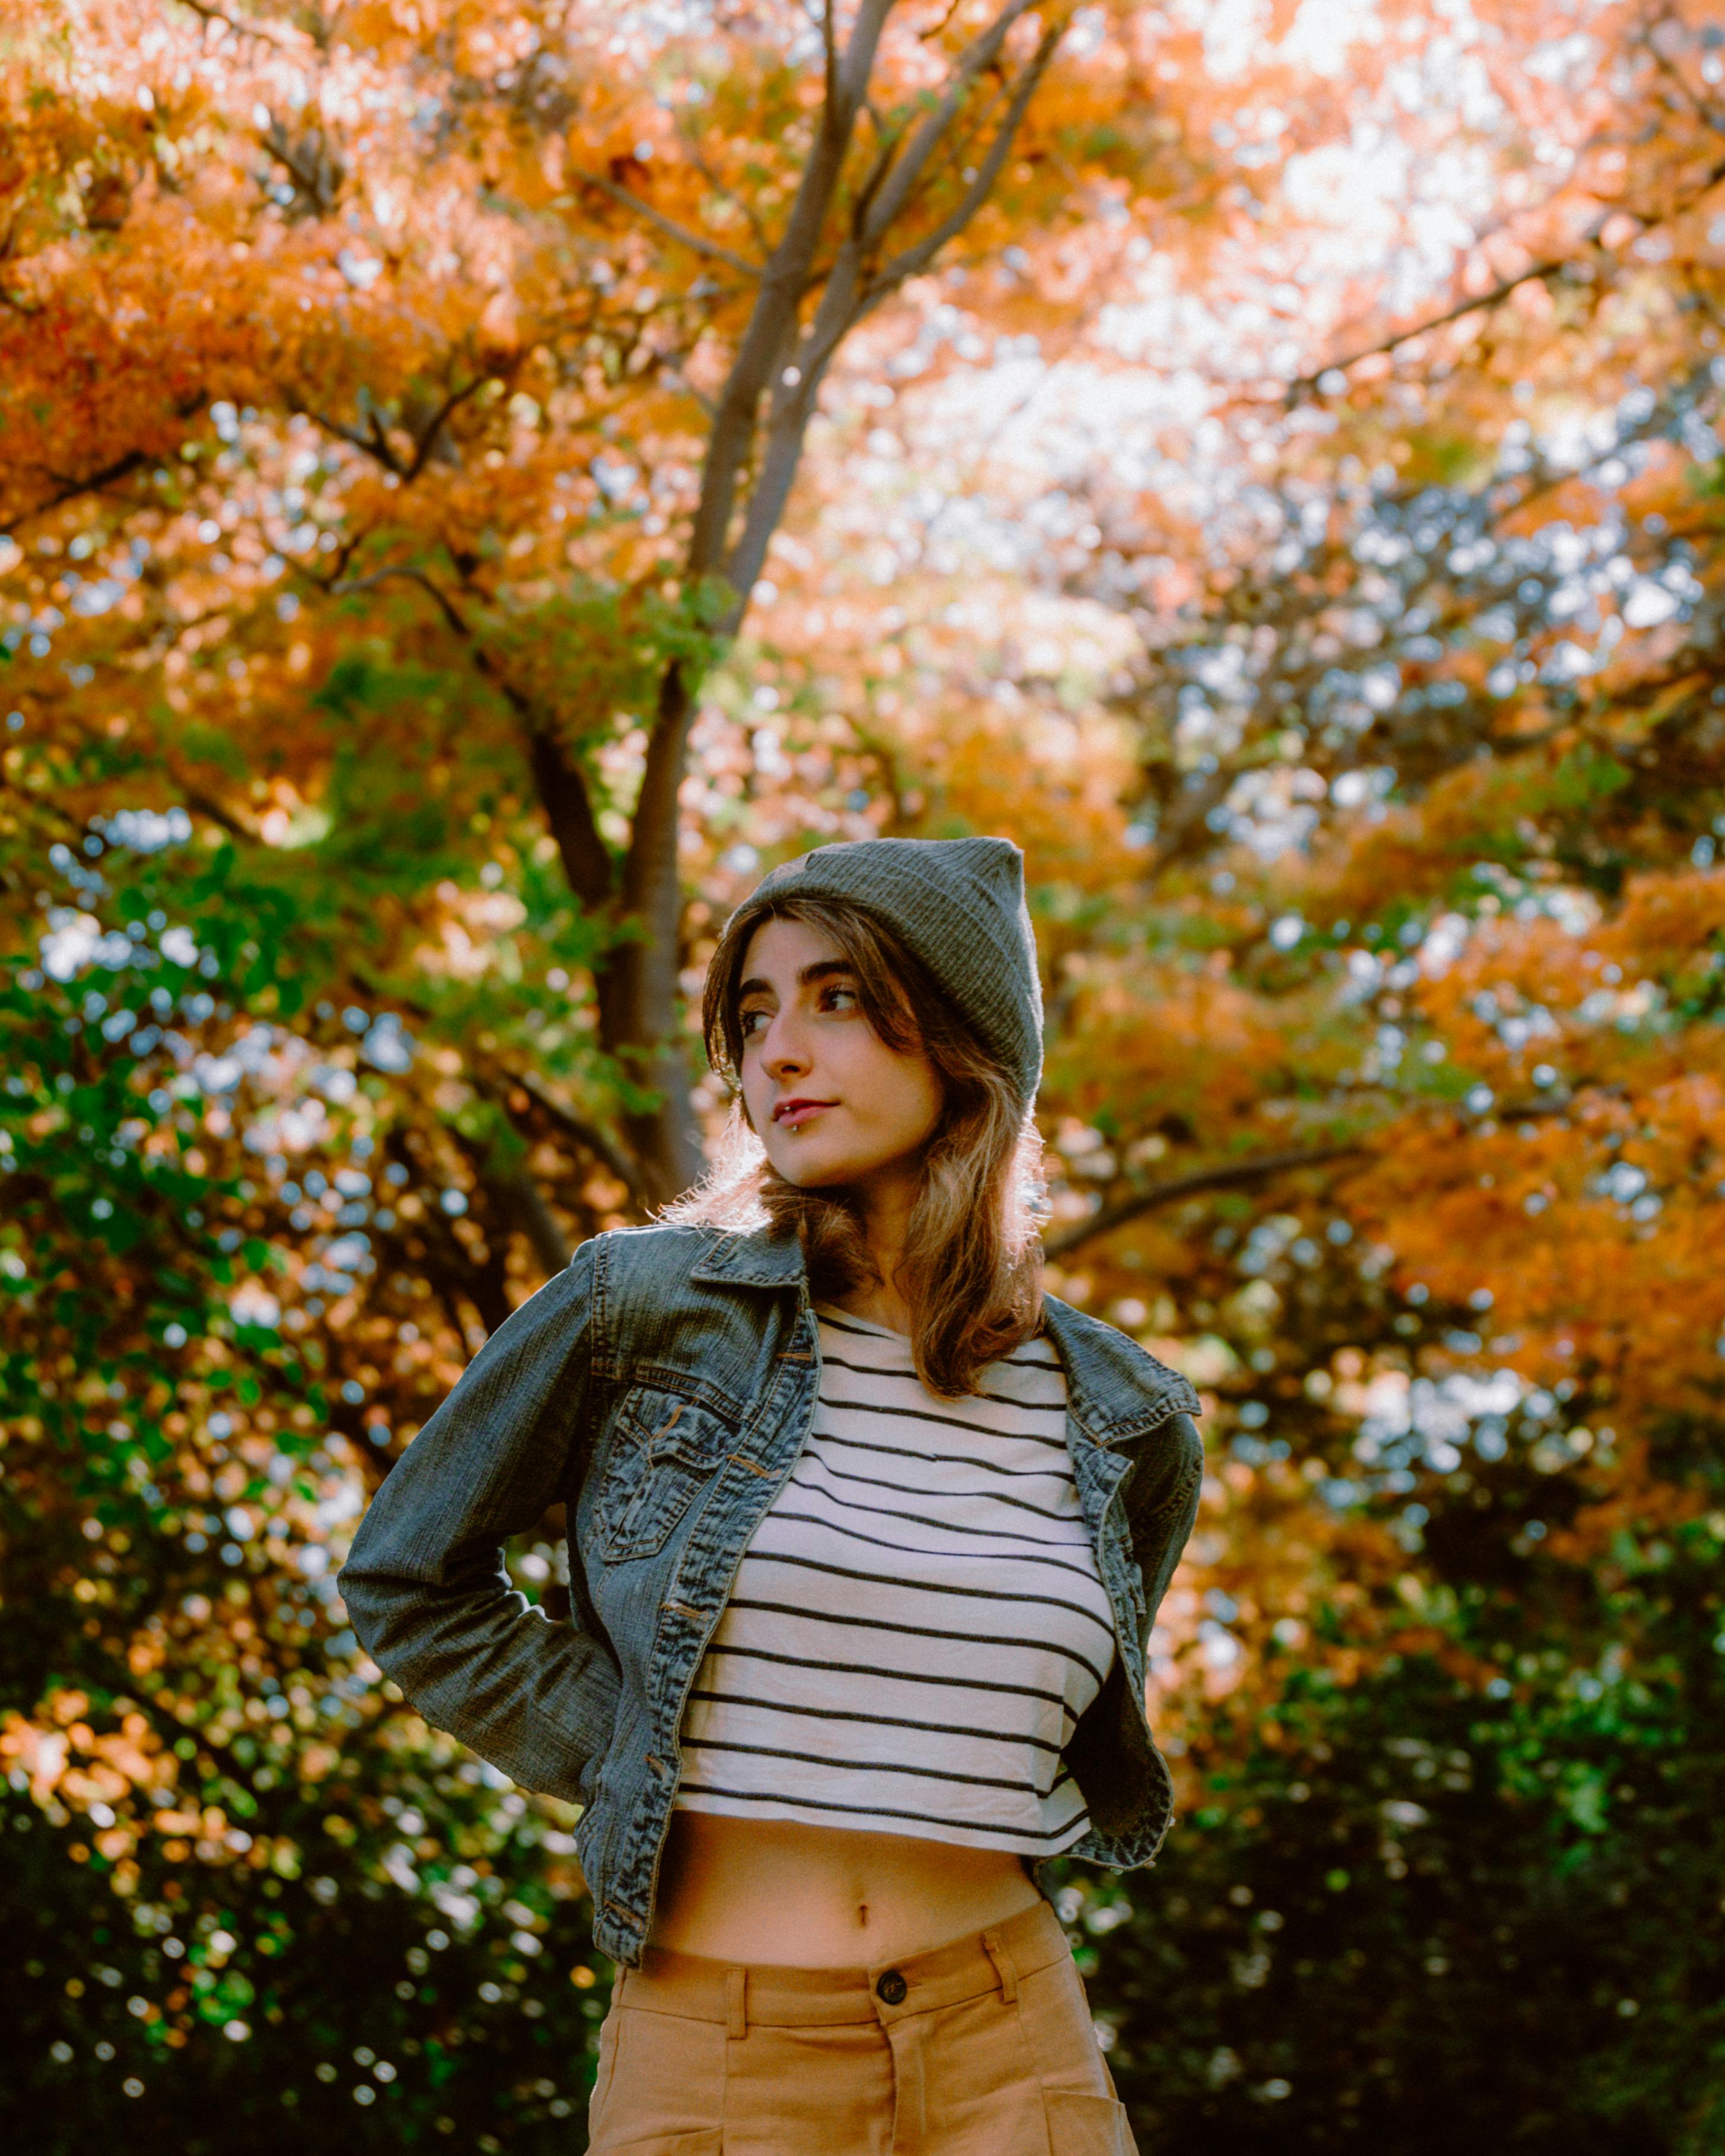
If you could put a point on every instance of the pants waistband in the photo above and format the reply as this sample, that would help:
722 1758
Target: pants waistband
700 1989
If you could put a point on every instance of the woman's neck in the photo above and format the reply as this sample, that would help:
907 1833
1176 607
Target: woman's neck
877 1305
887 1200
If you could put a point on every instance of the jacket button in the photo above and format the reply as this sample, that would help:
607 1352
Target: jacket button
891 1988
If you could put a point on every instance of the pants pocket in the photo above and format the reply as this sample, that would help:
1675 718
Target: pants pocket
602 2077
1080 2124
660 2087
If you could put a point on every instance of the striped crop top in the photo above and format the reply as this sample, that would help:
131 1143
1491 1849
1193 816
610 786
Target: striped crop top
917 1623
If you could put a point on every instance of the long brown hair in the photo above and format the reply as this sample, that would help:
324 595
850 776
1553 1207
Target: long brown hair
971 1270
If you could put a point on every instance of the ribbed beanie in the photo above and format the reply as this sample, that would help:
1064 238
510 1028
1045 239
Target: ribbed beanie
959 904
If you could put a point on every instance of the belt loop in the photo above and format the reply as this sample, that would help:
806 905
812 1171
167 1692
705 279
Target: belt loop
737 1985
1003 1969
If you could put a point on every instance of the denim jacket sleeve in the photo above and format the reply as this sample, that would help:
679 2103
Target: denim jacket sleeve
1162 1509
425 1585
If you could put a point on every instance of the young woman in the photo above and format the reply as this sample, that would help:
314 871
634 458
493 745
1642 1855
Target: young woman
866 1538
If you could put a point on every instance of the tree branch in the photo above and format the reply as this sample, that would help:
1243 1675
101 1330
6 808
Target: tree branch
1304 384
219 814
683 238
520 1202
652 890
240 27
562 791
586 859
432 431
318 173
1539 272
69 488
843 304
783 281
981 54
1233 1175
692 150
916 257
578 1128
407 572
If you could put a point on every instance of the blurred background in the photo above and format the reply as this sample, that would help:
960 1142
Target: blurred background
482 483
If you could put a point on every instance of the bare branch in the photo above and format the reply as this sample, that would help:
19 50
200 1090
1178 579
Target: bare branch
562 791
404 571
432 431
1539 272
776 362
692 240
980 55
935 29
692 150
239 26
520 1202
913 259
68 488
783 281
1700 107
842 305
598 1142
374 442
320 173
206 804
1536 272
1234 1175
829 50
563 795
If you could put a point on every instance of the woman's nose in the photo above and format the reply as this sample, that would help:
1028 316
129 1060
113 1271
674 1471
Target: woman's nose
782 1053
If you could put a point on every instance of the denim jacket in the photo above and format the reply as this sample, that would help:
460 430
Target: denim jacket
661 1389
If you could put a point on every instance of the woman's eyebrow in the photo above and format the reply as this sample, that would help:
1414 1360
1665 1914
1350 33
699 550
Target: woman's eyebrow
820 970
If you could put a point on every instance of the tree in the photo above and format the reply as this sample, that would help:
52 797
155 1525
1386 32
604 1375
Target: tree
1359 721
364 370
576 293
1382 928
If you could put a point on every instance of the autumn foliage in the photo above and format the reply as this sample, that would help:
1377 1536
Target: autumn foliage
483 482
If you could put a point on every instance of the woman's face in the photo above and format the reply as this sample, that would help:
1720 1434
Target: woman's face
831 1102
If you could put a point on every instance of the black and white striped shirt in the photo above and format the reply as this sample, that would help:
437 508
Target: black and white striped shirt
918 1623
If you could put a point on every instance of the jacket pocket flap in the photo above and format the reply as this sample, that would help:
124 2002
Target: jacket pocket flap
670 1427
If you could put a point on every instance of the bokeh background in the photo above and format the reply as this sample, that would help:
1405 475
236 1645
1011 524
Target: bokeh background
482 481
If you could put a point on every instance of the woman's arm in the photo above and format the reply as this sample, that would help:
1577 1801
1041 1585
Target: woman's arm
425 1584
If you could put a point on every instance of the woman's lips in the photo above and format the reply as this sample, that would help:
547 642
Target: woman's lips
795 1113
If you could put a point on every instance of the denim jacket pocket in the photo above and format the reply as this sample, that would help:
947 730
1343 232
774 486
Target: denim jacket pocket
663 1447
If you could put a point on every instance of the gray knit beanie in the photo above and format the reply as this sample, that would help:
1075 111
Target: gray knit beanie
959 904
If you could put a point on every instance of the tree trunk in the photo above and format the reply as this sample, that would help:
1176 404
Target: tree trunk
640 1002
780 362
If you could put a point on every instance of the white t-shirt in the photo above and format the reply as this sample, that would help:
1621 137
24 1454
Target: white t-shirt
918 1623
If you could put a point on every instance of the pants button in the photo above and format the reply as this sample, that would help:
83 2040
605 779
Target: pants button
891 1988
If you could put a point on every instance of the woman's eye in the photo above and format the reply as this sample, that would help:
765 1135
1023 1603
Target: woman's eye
831 992
746 1024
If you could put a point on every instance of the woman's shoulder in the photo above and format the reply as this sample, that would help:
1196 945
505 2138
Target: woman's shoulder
665 1259
658 1251
1122 1383
667 1295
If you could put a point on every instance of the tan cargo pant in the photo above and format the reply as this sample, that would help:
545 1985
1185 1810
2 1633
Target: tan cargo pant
981 2048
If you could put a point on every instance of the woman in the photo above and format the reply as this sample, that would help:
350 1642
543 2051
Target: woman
867 1535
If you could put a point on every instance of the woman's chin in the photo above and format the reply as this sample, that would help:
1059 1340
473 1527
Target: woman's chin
811 1175
810 1170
